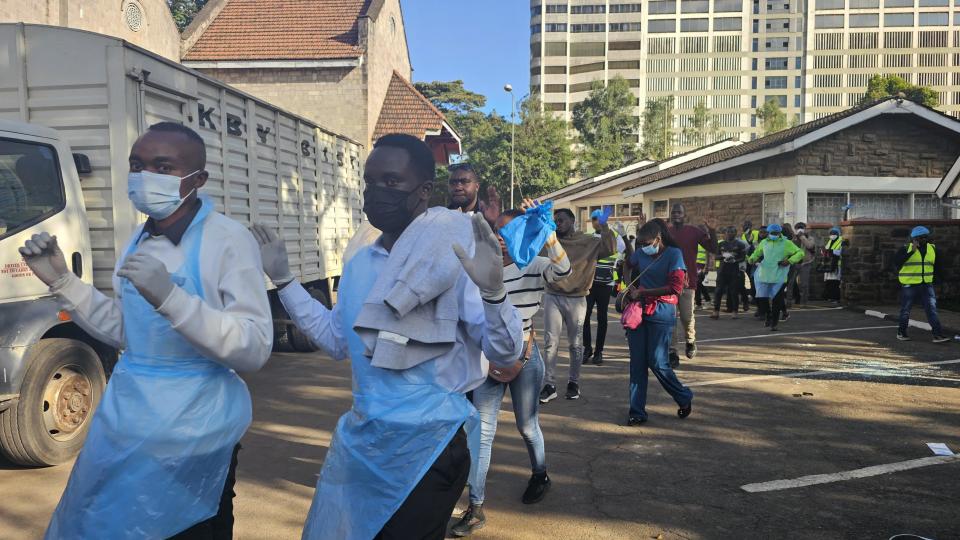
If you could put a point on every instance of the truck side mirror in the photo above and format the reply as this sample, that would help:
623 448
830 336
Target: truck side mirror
83 163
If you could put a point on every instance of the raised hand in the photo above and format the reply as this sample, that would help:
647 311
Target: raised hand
149 276
44 257
641 220
711 222
485 268
491 210
273 254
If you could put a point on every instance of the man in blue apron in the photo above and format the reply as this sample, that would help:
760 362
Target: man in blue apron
398 461
190 311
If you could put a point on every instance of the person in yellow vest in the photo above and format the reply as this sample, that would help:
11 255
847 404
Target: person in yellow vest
918 268
604 280
751 237
702 292
832 260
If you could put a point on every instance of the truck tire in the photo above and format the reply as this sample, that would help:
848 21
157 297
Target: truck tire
61 388
299 341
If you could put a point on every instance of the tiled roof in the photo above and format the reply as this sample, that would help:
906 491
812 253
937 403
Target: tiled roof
763 143
282 30
405 110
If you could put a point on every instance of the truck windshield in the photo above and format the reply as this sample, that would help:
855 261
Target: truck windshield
30 186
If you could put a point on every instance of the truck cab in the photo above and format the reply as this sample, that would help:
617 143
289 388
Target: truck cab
52 373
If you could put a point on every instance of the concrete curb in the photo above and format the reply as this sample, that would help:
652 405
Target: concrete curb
923 325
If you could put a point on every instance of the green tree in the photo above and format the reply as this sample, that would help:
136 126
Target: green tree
703 128
772 118
607 127
881 86
184 11
658 136
451 96
543 151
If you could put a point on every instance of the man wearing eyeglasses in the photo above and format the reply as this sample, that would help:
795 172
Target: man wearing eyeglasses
463 187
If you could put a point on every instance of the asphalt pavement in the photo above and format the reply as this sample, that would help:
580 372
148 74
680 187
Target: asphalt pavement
817 431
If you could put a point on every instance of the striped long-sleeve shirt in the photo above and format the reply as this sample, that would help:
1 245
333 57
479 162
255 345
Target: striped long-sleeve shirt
525 287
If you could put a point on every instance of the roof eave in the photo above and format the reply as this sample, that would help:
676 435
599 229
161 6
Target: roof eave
320 63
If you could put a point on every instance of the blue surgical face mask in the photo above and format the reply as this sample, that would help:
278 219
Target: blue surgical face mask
773 236
650 250
156 195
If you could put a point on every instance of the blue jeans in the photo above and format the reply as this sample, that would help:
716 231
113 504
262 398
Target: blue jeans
650 349
924 294
525 393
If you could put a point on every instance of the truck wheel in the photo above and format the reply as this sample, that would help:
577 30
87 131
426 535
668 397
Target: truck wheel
298 340
61 388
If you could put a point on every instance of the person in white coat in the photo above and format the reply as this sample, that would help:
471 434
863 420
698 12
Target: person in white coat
190 311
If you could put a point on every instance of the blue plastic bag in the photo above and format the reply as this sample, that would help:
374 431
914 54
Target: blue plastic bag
526 234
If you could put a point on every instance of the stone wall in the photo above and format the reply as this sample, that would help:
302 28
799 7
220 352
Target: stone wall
868 274
334 98
728 209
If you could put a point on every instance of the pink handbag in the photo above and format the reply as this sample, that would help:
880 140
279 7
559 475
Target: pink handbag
632 316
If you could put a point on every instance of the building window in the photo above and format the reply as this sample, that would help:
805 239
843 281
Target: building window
556 8
535 29
590 48
624 64
796 101
825 208
554 88
727 24
556 27
868 20
582 28
775 63
862 61
663 6
796 81
536 10
660 65
879 206
830 4
624 8
581 87
829 21
694 25
555 48
661 209
586 68
726 43
626 27
934 19
897 3
928 207
775 82
773 208
554 70
863 40
727 6
694 6
864 4
798 63
858 80
934 3
661 45
898 40
934 39
625 45
834 61
588 10
827 81
661 26
728 82
726 63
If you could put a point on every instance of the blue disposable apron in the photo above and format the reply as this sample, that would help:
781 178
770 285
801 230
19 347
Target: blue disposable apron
399 424
160 442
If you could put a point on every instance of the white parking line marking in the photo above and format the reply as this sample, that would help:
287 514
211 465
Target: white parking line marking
865 472
779 334
799 374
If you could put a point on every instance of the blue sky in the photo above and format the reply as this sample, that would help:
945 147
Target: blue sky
485 43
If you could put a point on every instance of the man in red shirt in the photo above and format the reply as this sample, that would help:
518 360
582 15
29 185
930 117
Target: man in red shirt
688 238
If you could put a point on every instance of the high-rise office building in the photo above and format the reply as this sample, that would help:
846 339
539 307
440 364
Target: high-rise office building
813 57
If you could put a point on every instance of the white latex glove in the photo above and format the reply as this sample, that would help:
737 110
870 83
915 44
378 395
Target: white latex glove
618 226
149 276
486 267
43 256
273 253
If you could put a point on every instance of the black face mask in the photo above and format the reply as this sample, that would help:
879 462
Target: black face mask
387 208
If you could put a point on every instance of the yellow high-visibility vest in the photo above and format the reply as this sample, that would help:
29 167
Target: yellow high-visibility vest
701 255
918 268
754 237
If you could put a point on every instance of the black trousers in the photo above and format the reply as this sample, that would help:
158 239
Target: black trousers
702 293
729 283
220 526
746 293
831 290
773 307
600 297
425 513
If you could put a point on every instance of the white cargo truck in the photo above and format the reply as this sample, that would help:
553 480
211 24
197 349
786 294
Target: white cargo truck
71 105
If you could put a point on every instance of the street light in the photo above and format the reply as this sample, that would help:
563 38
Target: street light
513 133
